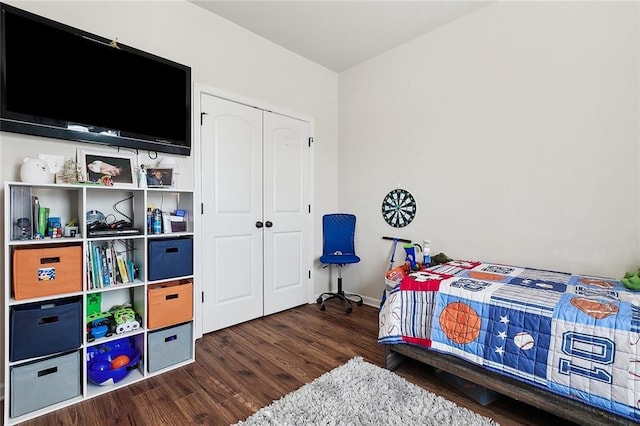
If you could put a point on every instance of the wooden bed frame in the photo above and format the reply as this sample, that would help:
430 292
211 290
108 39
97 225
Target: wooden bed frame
561 406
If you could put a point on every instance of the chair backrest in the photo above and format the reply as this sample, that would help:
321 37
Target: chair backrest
338 233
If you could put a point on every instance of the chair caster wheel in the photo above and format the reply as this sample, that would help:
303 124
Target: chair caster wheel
349 309
322 307
319 300
360 302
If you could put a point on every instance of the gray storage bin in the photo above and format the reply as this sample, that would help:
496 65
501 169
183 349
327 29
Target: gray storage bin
42 383
169 346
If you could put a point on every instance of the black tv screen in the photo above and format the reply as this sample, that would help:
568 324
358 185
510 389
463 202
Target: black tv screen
62 82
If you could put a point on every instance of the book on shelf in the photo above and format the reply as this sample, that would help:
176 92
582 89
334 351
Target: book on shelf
97 265
93 266
122 268
130 270
43 219
107 256
106 267
35 205
89 268
113 258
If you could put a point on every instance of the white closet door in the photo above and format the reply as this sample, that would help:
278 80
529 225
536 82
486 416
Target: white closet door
287 243
232 272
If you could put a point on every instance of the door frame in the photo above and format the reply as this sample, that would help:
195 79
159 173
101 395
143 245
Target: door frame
196 151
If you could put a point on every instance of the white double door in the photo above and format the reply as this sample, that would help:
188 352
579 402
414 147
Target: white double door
256 223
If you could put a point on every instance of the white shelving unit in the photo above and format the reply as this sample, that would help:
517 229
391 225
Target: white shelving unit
28 378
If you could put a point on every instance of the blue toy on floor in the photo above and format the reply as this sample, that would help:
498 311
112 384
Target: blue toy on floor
100 359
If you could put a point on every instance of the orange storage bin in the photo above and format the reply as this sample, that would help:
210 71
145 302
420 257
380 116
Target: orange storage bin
46 271
170 303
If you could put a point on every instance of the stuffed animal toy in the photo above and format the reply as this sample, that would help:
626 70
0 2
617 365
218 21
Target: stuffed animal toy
631 280
439 259
35 170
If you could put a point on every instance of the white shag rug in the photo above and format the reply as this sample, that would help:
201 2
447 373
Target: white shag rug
360 393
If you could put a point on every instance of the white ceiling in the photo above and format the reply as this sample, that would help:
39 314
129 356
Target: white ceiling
339 34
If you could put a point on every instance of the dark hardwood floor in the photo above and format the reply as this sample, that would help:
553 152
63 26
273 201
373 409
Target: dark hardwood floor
243 368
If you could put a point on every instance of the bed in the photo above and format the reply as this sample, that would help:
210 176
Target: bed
565 343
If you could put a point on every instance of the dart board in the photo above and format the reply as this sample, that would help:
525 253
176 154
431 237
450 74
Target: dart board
398 208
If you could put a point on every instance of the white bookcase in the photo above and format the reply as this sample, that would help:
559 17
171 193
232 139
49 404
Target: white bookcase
40 377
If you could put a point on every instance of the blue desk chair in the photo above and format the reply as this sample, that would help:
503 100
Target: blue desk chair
338 248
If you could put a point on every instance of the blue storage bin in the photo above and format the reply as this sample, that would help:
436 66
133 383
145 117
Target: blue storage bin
170 258
45 328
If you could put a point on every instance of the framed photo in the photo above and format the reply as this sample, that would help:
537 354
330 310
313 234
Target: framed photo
109 168
158 177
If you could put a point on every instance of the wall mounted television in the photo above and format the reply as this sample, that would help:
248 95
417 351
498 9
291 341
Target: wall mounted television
61 82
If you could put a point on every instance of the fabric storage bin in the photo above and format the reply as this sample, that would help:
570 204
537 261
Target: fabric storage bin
41 272
45 328
169 346
169 303
39 384
170 258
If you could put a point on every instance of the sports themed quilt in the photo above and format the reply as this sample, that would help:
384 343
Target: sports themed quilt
571 334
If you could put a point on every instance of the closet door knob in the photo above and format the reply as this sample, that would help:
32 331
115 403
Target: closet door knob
268 224
258 224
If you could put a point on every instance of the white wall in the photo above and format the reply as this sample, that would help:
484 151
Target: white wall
516 128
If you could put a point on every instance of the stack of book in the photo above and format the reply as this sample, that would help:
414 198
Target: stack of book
107 267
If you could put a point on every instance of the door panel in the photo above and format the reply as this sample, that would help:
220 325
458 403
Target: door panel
287 159
236 282
286 260
287 255
234 175
231 137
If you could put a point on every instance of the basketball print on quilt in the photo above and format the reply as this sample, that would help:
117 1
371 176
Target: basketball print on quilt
461 314
460 323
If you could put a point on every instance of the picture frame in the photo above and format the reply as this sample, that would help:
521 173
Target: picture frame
159 177
107 168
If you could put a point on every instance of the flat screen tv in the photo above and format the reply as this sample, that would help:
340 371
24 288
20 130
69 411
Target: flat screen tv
61 82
